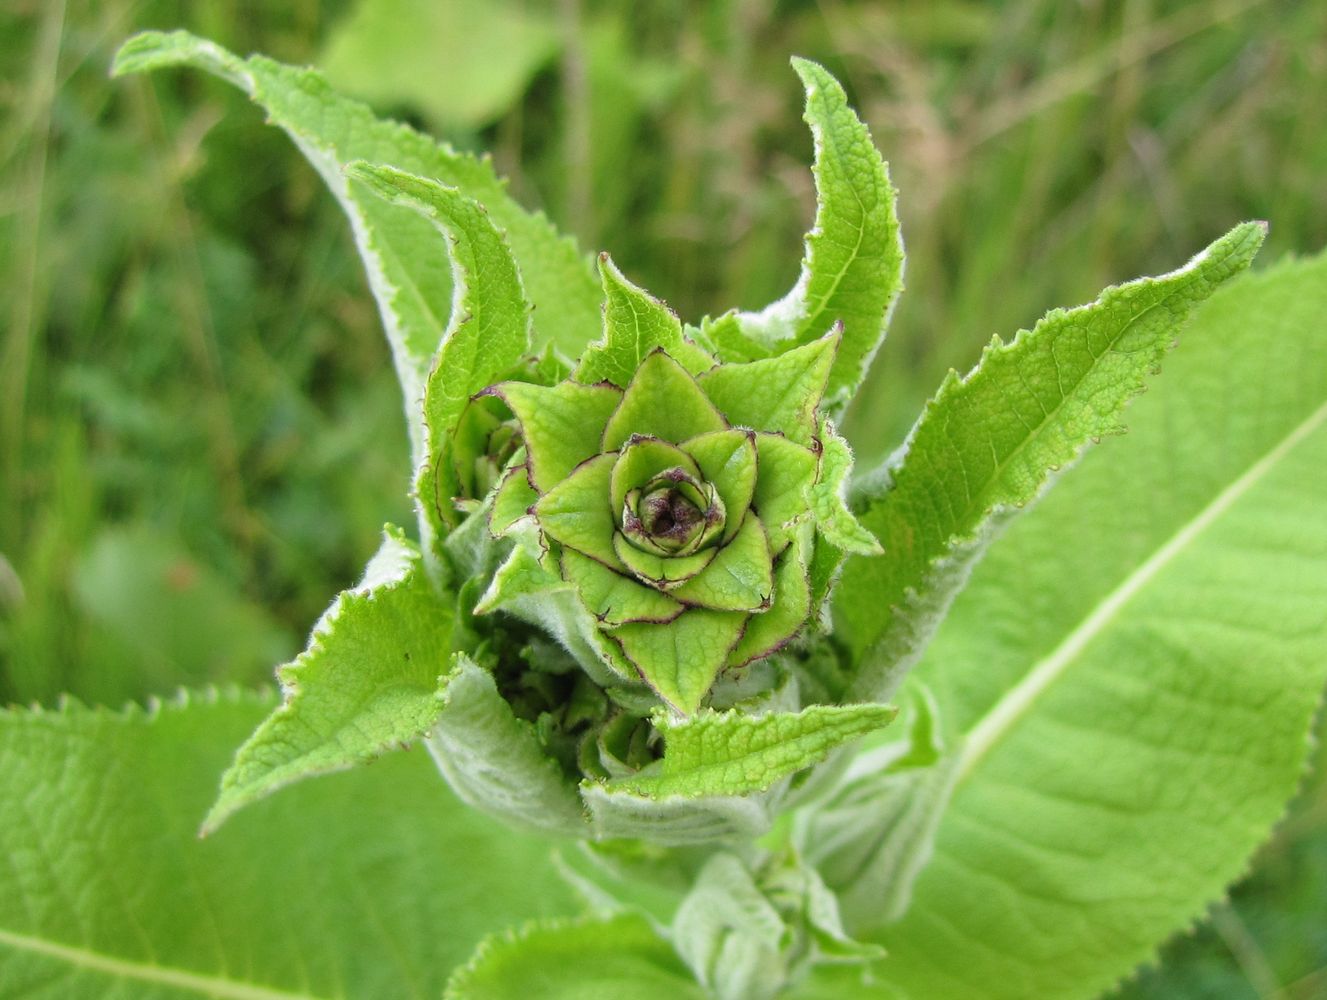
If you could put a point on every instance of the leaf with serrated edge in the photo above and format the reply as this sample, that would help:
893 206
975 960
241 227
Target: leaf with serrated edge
987 444
490 331
586 959
681 659
493 760
635 323
662 401
489 328
367 683
1140 716
733 754
827 497
560 424
404 256
331 889
853 269
778 395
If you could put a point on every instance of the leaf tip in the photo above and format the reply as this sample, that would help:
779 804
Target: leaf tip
151 50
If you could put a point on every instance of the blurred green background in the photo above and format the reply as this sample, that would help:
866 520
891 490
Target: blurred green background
200 432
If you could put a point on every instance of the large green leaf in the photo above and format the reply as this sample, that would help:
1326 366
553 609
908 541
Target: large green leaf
853 270
370 884
405 257
369 682
987 444
1131 674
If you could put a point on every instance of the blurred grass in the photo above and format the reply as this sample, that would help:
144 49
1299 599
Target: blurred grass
191 367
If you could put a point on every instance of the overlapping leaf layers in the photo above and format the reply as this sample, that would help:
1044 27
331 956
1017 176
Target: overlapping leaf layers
617 621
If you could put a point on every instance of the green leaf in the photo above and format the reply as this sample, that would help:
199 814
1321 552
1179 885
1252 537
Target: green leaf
987 444
406 261
330 890
494 761
561 424
576 513
730 934
853 269
778 395
635 324
827 498
613 598
681 659
489 329
739 578
462 63
576 960
729 753
727 459
662 401
527 589
367 683
872 836
678 822
773 629
512 500
1138 716
662 571
521 574
786 470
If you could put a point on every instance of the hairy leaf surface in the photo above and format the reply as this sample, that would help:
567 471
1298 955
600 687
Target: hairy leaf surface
487 333
1132 672
368 683
987 444
635 323
330 890
853 269
406 259
733 754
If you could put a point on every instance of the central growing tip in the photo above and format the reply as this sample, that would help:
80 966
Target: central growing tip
672 514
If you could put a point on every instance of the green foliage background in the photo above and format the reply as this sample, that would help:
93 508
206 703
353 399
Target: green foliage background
200 434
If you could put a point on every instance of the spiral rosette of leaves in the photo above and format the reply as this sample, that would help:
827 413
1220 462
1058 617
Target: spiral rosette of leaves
677 503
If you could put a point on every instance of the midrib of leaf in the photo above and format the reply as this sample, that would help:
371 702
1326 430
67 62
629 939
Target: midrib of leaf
1010 708
861 235
193 982
996 479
